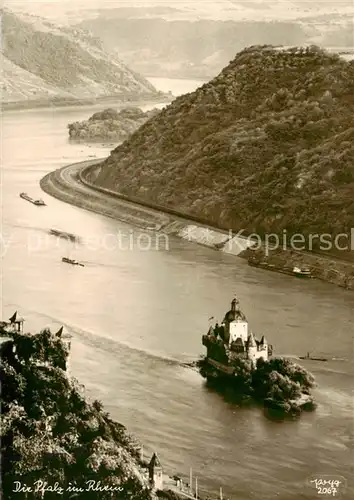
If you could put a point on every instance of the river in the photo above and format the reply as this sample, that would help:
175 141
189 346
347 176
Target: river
134 315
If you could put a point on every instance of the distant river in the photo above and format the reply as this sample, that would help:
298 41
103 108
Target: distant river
134 315
175 85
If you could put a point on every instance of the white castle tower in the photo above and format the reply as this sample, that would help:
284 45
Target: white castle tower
236 337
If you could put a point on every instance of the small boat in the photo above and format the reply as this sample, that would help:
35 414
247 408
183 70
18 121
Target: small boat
39 202
73 262
63 234
312 358
302 273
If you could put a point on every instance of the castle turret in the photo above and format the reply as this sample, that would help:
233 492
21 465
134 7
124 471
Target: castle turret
251 342
155 473
233 340
234 305
235 323
252 347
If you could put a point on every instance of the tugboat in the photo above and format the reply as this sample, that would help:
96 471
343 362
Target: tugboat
312 358
39 202
73 262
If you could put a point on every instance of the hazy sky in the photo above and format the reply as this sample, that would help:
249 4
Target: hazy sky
231 8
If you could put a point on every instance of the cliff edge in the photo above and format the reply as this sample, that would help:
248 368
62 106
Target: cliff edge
54 441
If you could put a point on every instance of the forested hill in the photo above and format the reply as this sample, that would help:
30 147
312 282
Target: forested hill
266 145
55 442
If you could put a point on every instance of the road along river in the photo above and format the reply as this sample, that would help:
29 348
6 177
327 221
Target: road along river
136 314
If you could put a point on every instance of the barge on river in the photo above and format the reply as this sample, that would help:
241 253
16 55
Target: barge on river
299 272
39 202
73 262
312 358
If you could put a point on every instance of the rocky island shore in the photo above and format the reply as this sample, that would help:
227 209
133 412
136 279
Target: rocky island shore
281 386
110 125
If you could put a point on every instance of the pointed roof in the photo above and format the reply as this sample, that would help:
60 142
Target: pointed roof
60 331
13 317
235 301
155 462
263 340
251 341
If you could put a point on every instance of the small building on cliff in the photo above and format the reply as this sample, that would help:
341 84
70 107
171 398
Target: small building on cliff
155 473
14 324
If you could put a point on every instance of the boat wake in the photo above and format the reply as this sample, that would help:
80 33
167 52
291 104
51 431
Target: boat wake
103 343
49 231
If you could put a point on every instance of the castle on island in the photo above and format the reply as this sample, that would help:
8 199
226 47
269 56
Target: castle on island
233 339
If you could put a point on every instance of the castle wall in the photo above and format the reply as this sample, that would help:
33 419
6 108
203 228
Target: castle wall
254 353
158 480
238 329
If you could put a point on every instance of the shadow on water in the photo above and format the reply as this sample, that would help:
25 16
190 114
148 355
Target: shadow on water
237 398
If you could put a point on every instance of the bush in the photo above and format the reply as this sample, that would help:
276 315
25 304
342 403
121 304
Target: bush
277 381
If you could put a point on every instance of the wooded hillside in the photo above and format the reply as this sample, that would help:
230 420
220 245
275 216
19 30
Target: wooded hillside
267 145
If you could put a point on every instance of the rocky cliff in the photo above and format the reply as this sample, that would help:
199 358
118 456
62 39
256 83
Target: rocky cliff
43 61
267 145
53 437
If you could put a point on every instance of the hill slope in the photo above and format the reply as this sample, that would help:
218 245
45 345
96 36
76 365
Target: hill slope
265 146
63 62
51 433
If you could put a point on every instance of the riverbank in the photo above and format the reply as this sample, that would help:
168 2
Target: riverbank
132 99
74 184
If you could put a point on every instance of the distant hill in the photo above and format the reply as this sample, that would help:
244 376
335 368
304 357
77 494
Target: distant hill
267 145
110 125
41 60
199 46
198 49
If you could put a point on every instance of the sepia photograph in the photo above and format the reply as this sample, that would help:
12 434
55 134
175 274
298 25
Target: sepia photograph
177 250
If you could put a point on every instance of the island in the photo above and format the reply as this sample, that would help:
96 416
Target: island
236 359
110 125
